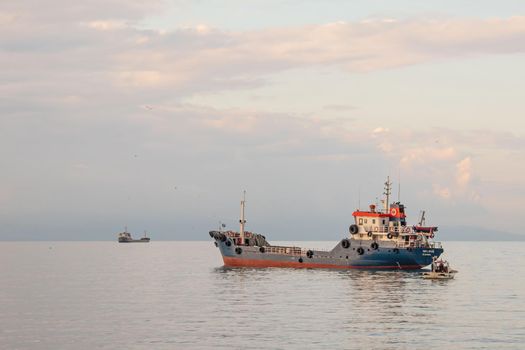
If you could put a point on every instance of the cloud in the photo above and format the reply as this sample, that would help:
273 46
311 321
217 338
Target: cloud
442 192
380 130
424 155
339 108
145 78
6 18
244 124
464 172
64 11
385 146
107 25
102 43
441 157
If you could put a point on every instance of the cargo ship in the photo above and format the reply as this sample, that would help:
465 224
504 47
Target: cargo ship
125 237
377 239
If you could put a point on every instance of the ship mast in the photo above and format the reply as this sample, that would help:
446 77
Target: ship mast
387 193
242 221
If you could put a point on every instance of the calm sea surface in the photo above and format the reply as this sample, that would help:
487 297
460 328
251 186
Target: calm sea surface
177 295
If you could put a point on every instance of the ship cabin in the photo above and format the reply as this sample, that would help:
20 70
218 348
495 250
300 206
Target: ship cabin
382 224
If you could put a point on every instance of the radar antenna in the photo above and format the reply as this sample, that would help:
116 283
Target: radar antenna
387 193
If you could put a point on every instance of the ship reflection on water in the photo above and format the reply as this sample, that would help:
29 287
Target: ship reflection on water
370 303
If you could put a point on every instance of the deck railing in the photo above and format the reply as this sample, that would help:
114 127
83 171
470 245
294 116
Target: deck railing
418 244
385 229
395 230
283 250
294 251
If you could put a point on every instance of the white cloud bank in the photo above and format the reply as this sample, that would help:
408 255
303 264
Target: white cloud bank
67 40
191 57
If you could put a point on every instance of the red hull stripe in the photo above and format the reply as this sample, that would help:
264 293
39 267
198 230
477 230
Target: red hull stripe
239 262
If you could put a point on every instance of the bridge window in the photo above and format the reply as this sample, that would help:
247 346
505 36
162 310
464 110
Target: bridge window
360 221
373 221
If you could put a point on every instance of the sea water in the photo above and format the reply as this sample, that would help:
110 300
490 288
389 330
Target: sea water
177 295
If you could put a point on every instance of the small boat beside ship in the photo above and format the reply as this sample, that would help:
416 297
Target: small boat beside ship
378 239
125 237
440 270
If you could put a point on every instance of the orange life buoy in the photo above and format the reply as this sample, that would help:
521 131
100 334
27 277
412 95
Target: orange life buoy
393 211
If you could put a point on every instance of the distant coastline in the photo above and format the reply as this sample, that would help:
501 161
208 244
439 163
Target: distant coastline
445 233
464 233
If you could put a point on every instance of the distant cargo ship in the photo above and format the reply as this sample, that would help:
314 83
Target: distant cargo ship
378 239
125 237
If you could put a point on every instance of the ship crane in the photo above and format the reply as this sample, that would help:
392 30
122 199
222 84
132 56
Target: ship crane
422 219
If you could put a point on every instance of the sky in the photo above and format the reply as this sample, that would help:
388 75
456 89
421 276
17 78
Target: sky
156 115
